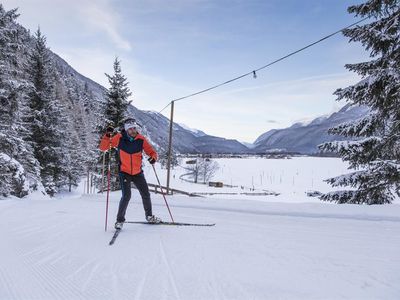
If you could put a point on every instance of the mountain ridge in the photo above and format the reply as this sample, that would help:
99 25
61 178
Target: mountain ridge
306 138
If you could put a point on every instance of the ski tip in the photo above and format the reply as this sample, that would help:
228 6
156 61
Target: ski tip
116 233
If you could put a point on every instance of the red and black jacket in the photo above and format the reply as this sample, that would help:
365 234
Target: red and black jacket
129 151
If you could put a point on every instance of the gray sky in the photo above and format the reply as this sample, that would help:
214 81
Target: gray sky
173 48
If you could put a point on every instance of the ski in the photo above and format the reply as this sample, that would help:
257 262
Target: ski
116 233
172 223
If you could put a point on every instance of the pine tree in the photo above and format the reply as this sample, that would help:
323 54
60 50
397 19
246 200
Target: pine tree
81 139
74 161
19 170
115 113
117 96
374 151
46 122
72 153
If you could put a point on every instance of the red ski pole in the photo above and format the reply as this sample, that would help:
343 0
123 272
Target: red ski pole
108 183
102 172
162 192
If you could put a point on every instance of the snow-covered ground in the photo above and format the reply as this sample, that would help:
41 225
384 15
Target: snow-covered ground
290 178
264 249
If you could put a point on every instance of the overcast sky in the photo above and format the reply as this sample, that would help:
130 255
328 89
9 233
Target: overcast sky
169 49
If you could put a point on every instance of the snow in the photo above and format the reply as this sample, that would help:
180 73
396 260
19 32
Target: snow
290 178
260 248
17 169
307 121
196 132
247 144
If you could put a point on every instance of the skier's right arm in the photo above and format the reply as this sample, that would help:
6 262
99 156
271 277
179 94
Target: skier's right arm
109 141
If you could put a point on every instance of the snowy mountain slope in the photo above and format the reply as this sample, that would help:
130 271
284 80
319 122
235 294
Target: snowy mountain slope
248 145
84 100
57 249
305 138
265 136
186 140
213 144
67 71
196 132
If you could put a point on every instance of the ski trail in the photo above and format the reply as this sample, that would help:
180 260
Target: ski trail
51 259
212 287
7 288
89 280
32 286
140 288
291 214
59 287
40 280
81 268
169 270
114 281
49 266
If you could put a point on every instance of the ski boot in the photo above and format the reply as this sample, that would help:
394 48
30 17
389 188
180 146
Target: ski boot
153 219
118 225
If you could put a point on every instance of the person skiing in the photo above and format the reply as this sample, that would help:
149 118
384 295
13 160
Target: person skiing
130 144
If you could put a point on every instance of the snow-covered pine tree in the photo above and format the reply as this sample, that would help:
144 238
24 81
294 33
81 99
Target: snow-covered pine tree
96 131
46 122
94 109
374 152
19 170
75 160
80 140
81 123
115 112
70 132
117 96
88 99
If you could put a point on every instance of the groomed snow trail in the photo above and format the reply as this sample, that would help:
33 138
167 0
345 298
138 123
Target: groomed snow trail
57 249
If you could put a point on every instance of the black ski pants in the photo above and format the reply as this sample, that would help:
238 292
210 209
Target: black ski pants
140 182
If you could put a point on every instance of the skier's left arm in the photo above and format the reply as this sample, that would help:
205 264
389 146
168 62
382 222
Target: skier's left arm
149 150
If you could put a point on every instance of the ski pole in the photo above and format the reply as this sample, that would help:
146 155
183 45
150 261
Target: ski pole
162 192
108 180
102 172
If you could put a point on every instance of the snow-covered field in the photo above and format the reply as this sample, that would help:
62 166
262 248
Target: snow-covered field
269 248
290 178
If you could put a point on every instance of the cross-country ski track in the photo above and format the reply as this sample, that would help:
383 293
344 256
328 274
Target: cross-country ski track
58 249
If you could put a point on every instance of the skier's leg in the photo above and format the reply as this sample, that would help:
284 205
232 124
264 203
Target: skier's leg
126 196
141 184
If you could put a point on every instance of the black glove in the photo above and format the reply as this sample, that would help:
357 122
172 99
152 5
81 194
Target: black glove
152 160
109 130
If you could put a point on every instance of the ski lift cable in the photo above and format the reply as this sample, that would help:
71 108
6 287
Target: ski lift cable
165 107
253 72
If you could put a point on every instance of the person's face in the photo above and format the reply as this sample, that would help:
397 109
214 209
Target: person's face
132 132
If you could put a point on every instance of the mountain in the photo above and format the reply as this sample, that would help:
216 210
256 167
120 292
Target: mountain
155 125
196 132
248 145
304 138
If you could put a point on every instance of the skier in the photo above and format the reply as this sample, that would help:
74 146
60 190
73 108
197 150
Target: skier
130 144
